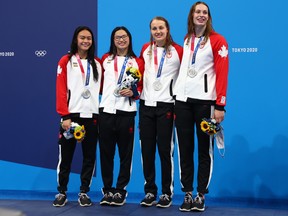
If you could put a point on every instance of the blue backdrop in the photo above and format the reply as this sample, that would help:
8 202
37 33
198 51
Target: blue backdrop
254 165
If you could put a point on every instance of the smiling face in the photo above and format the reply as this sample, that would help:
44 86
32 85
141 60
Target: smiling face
121 40
159 31
84 41
200 16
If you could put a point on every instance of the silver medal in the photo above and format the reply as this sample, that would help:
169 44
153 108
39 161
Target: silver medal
192 72
157 85
86 94
116 92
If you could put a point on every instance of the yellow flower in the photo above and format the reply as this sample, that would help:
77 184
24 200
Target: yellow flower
79 133
208 127
135 72
204 126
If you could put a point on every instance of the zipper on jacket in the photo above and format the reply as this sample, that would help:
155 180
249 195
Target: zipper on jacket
205 84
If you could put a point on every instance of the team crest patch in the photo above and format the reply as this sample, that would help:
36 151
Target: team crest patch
109 59
223 99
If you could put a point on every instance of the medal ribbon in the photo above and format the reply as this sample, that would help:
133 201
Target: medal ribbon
122 69
161 61
82 70
196 48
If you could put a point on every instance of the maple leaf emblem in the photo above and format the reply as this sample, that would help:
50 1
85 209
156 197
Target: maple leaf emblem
223 52
59 70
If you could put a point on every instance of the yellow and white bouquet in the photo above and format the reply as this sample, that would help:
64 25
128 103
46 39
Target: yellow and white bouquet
75 131
133 77
211 127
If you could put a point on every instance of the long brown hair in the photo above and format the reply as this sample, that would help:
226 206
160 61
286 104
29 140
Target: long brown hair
169 39
191 25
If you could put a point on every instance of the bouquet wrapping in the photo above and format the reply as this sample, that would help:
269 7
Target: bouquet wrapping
133 77
75 131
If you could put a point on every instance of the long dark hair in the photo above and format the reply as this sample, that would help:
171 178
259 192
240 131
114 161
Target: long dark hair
91 50
113 48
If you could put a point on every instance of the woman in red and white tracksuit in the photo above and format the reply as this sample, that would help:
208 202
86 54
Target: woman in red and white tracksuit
77 100
162 59
200 92
117 115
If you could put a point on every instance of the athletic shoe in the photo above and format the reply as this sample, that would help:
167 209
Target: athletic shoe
107 198
60 200
148 200
84 200
199 203
118 199
164 201
187 203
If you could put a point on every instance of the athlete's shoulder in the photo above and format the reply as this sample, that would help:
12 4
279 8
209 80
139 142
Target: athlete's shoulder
145 46
104 57
216 36
177 46
97 59
64 59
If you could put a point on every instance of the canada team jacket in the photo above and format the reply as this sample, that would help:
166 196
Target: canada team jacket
211 65
169 72
109 102
70 85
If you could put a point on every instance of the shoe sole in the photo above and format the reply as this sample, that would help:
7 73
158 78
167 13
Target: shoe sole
163 206
84 205
118 204
198 209
105 203
57 205
185 210
148 204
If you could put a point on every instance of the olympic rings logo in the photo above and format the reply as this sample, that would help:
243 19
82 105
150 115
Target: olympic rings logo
40 53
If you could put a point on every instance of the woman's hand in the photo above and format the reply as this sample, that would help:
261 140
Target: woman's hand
66 124
126 92
219 115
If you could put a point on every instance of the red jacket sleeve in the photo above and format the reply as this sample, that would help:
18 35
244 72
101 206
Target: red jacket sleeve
179 50
103 71
62 94
221 66
140 63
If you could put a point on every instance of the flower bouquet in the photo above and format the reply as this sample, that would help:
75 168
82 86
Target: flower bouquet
212 128
133 76
76 131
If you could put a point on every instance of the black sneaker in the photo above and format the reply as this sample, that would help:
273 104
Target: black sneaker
164 201
118 199
198 203
148 200
187 203
60 200
84 200
107 198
